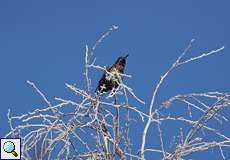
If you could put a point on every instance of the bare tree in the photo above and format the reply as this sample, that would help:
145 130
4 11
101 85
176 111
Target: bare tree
90 126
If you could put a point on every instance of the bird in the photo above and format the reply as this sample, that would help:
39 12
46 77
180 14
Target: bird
111 77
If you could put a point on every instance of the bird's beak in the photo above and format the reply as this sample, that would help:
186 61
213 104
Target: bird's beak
126 56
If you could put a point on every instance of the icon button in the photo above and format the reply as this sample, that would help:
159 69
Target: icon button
10 148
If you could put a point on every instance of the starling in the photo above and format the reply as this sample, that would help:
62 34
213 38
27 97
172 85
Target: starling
110 79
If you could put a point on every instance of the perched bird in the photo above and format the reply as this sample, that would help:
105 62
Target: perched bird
111 79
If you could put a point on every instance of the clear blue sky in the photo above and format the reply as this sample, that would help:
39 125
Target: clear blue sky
44 41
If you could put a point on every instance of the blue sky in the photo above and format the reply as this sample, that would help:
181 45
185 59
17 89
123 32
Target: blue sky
44 41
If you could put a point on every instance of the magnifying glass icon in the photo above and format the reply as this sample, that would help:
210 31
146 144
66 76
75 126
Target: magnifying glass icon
9 147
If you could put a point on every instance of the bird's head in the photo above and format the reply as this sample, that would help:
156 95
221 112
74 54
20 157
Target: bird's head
121 60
